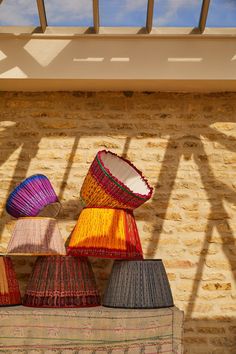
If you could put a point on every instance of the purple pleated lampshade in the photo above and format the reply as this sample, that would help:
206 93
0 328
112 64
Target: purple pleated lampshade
34 196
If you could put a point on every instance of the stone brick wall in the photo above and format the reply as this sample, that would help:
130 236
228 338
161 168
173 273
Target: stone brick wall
186 146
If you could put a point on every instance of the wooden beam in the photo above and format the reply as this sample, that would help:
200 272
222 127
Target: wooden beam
42 14
149 20
96 16
203 15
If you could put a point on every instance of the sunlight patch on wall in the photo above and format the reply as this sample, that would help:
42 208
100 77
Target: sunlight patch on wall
2 55
44 52
14 73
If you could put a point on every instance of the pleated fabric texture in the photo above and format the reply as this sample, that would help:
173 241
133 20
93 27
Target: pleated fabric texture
107 233
138 284
9 288
114 182
59 281
36 236
34 196
106 227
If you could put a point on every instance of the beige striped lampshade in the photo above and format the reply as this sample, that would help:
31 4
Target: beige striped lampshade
36 236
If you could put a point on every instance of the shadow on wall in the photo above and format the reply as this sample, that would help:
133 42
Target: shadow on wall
210 336
30 117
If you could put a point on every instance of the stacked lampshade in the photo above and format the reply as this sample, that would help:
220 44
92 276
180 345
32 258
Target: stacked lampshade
34 234
138 284
9 288
61 281
33 196
106 227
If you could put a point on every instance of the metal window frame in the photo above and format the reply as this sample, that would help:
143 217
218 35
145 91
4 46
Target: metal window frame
203 15
42 15
96 19
149 16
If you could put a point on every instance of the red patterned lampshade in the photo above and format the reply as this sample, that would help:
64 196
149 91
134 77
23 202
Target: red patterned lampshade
9 288
61 281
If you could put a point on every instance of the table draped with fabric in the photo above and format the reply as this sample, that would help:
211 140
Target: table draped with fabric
90 330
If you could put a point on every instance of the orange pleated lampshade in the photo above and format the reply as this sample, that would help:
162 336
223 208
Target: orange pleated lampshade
106 233
106 227
9 288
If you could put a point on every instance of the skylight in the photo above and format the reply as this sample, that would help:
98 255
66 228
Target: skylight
146 15
123 13
222 13
19 13
177 13
69 13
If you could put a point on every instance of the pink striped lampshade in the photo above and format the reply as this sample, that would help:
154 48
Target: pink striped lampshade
36 236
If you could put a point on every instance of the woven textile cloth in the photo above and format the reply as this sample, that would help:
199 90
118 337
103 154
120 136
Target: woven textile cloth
36 235
33 196
86 331
9 288
59 281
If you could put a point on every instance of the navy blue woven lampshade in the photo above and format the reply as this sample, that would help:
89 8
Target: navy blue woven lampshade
138 284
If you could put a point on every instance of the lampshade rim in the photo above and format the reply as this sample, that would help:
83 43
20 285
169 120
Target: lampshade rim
120 183
141 260
33 254
138 308
57 202
36 217
8 305
60 307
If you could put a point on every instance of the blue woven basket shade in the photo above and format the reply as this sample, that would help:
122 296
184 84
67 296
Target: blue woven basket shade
138 284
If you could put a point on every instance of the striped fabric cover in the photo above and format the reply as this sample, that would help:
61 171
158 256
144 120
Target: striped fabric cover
9 288
107 233
86 331
36 236
31 196
101 188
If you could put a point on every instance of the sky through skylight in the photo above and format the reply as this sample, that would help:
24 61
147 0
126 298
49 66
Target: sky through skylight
180 13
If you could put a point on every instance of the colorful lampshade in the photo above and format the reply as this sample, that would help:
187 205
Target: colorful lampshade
138 284
114 182
59 281
36 236
34 196
106 233
106 227
9 288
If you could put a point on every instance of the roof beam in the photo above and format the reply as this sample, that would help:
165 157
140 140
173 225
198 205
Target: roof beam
149 19
203 15
96 16
42 14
